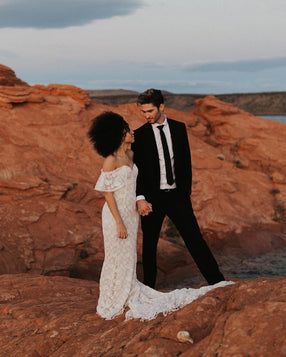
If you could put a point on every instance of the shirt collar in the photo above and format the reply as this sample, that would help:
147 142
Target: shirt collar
155 125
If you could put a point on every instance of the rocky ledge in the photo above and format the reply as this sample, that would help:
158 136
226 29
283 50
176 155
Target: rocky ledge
14 91
56 316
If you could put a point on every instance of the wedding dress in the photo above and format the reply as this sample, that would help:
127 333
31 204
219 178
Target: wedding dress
119 287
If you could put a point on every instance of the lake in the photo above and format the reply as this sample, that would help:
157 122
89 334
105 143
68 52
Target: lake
281 118
270 265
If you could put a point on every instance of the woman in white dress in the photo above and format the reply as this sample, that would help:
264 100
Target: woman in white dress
119 287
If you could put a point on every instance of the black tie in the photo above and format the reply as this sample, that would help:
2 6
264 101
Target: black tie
168 165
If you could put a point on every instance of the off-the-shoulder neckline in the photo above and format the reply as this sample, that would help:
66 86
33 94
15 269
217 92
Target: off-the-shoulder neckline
118 168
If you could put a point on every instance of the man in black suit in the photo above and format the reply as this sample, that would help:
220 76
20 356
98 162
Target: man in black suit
162 155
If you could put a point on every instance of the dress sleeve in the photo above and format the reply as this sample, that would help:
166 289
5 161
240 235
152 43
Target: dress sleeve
110 181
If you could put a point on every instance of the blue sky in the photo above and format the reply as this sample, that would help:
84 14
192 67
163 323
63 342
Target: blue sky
184 46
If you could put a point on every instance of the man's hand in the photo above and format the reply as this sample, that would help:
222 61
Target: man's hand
144 207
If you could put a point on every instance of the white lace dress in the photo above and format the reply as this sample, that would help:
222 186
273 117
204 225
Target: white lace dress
119 287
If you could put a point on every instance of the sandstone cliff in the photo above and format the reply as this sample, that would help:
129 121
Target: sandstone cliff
50 214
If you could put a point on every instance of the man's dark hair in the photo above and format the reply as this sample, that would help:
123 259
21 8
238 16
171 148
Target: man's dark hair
153 96
107 132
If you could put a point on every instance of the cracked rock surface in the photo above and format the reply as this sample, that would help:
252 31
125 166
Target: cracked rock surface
56 317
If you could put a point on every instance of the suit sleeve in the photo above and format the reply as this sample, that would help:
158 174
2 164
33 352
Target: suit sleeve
188 160
137 159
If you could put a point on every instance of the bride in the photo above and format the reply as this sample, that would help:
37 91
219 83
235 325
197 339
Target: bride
119 288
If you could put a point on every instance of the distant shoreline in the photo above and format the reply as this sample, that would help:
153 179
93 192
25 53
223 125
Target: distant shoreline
260 103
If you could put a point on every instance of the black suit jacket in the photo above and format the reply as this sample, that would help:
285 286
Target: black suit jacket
147 159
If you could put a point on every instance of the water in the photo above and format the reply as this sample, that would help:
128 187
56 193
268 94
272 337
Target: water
281 118
270 265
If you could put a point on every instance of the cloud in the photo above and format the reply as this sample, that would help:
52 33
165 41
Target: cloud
45 14
239 66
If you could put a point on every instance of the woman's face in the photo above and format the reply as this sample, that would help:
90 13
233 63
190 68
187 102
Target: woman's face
129 137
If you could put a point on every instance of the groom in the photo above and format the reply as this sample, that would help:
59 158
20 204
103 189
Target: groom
162 155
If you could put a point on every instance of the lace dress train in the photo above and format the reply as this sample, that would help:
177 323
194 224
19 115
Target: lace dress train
119 287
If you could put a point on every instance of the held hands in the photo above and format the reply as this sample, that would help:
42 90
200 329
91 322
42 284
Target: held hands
121 230
144 207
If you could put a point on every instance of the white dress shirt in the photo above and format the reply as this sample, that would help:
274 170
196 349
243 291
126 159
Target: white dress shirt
163 177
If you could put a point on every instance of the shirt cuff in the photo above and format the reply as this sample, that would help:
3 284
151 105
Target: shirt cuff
141 197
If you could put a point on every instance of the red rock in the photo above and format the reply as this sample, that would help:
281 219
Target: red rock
56 316
63 90
8 77
18 94
50 213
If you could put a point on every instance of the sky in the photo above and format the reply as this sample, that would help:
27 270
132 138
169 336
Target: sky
182 46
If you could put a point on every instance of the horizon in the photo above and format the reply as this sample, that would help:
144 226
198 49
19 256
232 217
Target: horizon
183 93
218 47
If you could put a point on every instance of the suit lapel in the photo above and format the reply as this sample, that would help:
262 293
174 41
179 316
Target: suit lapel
151 152
152 147
173 132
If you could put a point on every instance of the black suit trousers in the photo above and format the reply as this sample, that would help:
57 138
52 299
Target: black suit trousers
178 208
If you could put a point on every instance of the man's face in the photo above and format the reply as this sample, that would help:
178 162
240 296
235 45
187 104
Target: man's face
152 114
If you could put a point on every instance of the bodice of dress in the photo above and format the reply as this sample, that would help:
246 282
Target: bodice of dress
122 182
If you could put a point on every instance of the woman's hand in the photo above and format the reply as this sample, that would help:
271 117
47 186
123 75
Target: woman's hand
121 231
144 207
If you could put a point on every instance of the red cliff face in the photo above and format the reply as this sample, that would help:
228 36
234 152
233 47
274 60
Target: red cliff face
239 172
50 214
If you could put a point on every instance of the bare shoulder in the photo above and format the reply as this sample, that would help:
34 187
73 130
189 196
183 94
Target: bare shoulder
109 164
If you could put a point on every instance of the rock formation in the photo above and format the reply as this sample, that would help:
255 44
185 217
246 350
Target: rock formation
56 316
50 214
8 77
